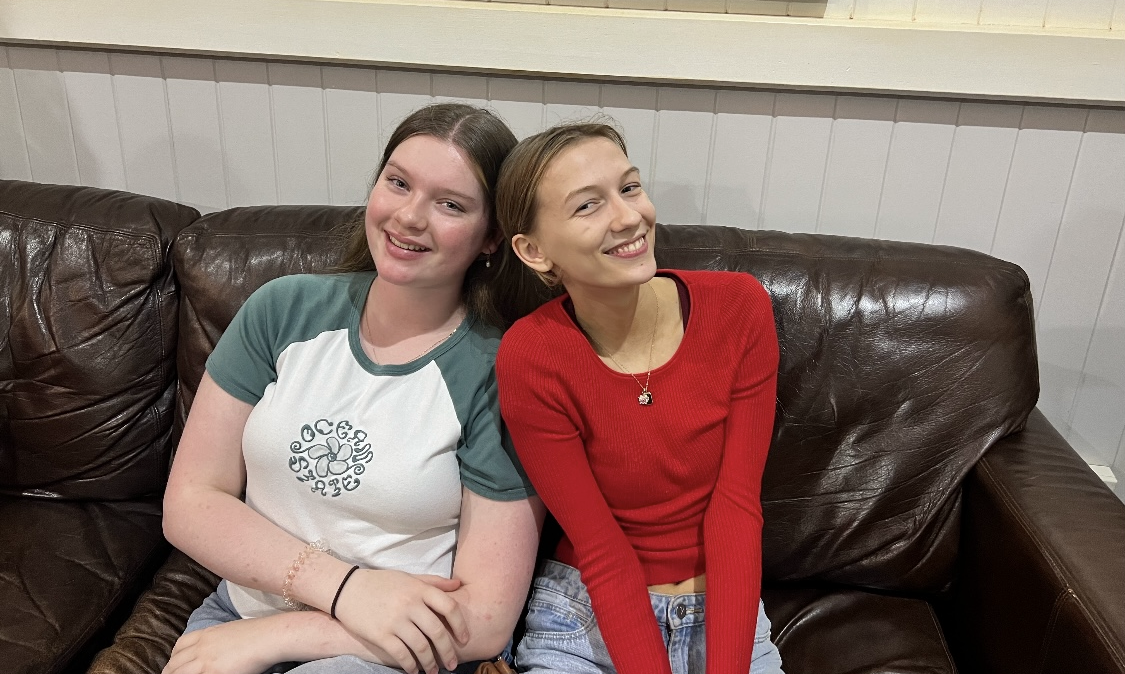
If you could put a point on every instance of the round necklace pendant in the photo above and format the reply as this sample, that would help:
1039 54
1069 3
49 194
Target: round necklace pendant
645 398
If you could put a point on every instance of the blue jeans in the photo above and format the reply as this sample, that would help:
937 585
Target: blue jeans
563 636
218 609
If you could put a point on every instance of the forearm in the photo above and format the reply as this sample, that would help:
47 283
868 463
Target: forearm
626 621
491 623
495 560
302 636
228 537
732 540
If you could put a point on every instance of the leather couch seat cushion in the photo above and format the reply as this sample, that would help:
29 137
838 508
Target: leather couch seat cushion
847 631
64 565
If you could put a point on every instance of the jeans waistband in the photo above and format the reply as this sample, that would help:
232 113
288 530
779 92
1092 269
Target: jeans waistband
671 610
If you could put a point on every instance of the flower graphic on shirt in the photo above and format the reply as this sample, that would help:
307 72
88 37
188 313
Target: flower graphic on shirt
330 456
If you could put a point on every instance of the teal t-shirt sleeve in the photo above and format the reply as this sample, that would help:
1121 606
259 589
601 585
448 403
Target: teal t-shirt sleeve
489 465
243 362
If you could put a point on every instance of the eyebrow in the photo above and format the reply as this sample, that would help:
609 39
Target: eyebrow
459 195
631 169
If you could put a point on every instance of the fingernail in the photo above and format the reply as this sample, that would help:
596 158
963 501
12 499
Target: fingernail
451 665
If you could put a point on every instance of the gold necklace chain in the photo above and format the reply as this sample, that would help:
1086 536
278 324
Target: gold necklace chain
431 348
645 398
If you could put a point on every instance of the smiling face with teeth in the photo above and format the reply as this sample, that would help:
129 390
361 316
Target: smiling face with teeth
427 216
594 225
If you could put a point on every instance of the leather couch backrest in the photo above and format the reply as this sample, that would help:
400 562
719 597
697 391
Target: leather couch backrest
87 341
224 257
900 365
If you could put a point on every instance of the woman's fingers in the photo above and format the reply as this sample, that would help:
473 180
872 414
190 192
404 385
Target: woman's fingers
443 584
438 637
447 607
421 649
178 659
410 617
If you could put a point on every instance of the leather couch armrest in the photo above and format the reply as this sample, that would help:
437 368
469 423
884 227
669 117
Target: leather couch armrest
1041 583
145 641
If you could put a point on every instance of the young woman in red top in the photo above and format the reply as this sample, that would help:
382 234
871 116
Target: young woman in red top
641 404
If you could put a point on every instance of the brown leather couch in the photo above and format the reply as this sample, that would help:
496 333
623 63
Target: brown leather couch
921 515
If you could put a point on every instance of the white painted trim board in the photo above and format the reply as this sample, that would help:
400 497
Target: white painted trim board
680 48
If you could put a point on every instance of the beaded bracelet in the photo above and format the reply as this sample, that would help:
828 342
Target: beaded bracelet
287 587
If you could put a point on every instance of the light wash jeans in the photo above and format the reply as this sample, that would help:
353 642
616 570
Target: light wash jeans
563 636
218 609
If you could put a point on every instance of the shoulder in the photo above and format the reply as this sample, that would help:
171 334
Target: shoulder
476 347
333 288
709 282
730 302
298 307
526 336
728 289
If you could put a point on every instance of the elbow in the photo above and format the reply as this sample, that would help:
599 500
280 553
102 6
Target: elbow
489 637
488 646
170 520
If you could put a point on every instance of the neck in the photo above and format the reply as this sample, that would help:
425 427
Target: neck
616 319
394 313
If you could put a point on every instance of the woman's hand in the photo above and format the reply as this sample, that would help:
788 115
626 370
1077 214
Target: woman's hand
236 647
409 617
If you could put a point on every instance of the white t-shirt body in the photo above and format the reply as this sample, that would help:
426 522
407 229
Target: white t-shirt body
368 458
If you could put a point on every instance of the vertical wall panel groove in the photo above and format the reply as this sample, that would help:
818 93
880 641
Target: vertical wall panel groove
710 162
171 135
41 94
273 139
827 164
984 142
1096 418
93 118
332 198
194 114
916 168
1046 151
769 162
15 160
857 163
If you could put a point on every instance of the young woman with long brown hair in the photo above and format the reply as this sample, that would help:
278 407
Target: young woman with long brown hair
641 404
344 450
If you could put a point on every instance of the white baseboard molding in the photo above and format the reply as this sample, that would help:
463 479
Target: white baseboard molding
1106 474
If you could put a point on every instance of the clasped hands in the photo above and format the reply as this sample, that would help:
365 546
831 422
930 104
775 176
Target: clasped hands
411 618
409 621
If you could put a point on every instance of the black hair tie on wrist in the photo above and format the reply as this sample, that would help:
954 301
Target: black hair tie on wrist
347 576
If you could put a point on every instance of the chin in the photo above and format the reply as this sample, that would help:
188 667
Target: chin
639 275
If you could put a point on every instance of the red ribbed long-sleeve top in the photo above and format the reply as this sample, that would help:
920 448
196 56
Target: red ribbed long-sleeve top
654 494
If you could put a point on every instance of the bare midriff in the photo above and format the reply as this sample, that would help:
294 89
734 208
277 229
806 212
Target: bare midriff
689 586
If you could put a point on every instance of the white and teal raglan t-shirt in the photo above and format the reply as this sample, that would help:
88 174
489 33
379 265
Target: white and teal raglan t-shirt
369 458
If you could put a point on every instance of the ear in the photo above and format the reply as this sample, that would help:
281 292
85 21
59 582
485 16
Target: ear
492 245
530 254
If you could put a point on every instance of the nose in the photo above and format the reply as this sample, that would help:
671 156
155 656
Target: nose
410 213
625 216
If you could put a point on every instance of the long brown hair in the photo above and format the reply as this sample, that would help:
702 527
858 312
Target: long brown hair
518 288
485 140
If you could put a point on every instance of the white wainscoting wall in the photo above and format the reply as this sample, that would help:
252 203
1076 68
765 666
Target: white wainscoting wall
1041 186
